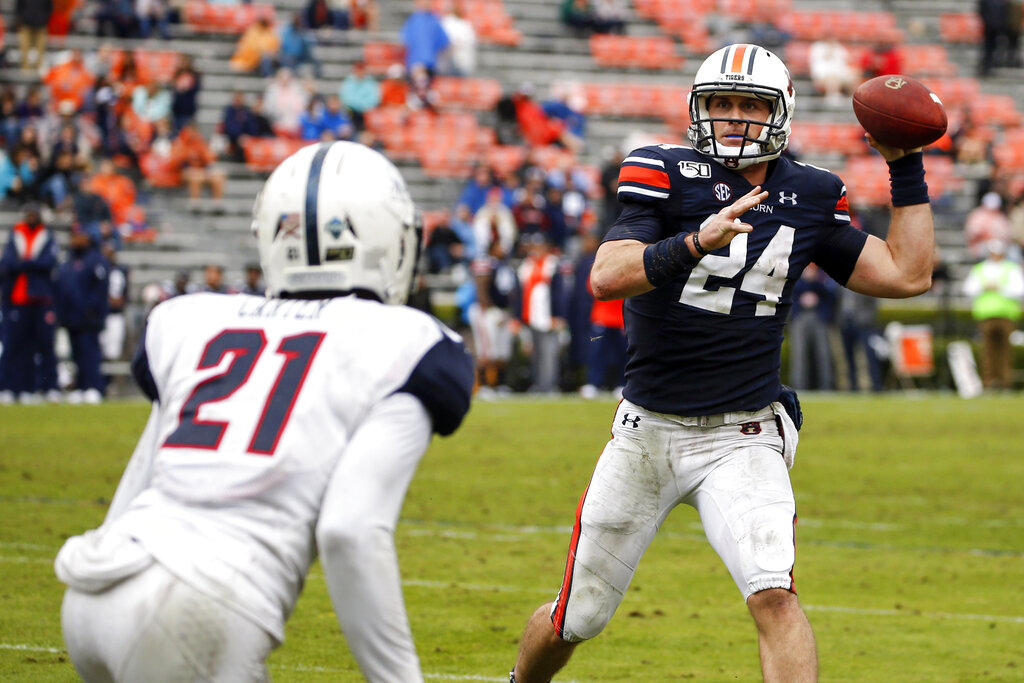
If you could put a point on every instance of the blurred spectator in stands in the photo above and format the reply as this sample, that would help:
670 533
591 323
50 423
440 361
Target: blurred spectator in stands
421 95
92 213
578 15
489 315
32 106
460 58
506 125
179 285
152 13
993 15
260 124
285 99
474 193
253 281
152 102
882 59
69 80
996 286
567 103
28 294
494 222
362 14
394 89
103 100
970 143
603 339
257 49
10 180
832 70
10 122
197 163
529 209
326 120
810 348
537 128
986 223
610 16
28 164
33 18
114 327
117 190
57 181
1016 218
236 123
1014 17
360 92
298 46
557 221
857 317
424 38
610 207
444 248
115 18
122 142
83 289
319 14
185 85
213 280
542 311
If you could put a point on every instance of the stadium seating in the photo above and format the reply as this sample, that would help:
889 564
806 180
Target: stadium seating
491 22
477 94
152 65
644 52
379 56
209 17
960 27
827 137
264 154
845 25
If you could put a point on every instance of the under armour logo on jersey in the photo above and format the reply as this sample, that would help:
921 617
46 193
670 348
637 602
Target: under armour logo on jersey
722 192
787 198
626 420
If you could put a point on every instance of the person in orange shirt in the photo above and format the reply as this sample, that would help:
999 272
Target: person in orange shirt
69 81
257 49
193 157
116 189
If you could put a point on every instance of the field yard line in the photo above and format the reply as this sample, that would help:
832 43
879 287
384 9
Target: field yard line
30 648
26 560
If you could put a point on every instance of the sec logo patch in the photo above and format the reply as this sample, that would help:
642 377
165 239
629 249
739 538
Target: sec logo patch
723 192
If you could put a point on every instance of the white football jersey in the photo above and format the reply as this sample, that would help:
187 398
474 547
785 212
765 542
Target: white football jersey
258 399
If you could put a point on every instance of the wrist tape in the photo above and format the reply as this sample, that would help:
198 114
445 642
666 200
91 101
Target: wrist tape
668 258
906 180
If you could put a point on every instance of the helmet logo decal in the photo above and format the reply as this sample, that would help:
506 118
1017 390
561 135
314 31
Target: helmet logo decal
336 226
722 192
288 225
312 193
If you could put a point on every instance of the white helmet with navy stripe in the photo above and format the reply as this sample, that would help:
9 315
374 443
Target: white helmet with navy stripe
751 71
337 218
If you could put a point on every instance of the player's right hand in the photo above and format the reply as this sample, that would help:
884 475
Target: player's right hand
720 229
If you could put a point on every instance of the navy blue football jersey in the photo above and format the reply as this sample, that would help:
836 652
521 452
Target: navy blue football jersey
710 340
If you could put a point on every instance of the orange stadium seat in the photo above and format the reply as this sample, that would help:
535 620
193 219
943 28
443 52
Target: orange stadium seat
761 10
505 158
159 170
645 52
1009 153
954 92
999 110
379 56
926 60
217 18
867 182
151 65
960 27
477 94
848 26
264 154
491 22
819 137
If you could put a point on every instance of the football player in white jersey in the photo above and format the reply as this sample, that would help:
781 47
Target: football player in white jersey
706 251
282 428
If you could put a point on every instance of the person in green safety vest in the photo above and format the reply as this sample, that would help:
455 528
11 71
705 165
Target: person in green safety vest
996 286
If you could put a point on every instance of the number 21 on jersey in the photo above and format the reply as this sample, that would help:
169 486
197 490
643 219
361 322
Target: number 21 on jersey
766 278
246 347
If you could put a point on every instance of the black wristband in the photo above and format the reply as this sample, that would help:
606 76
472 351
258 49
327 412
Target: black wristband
668 258
906 180
697 245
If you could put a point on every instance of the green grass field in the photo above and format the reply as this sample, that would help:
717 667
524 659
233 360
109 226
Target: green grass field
910 546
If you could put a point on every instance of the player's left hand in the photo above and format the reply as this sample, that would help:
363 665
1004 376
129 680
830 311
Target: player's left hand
887 152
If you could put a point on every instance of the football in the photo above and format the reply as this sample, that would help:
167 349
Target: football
899 111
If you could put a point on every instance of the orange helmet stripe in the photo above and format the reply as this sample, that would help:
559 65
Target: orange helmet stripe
737 59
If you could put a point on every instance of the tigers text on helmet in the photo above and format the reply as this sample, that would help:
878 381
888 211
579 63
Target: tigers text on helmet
748 71
337 217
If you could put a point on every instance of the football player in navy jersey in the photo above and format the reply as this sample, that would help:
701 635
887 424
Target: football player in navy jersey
707 248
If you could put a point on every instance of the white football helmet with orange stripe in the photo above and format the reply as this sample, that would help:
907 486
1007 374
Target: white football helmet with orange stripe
751 71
